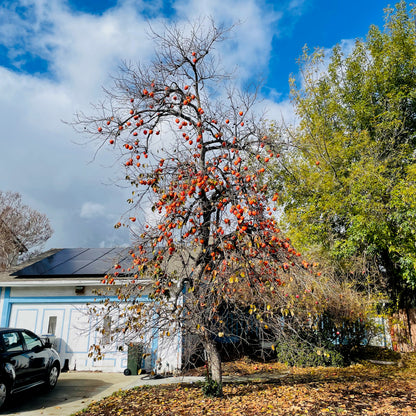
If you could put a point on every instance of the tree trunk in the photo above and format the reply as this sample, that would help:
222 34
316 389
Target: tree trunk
214 361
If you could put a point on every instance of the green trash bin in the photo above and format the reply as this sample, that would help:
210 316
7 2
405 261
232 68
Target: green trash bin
134 359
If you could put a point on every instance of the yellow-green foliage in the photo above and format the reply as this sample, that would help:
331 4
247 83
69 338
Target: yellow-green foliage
347 171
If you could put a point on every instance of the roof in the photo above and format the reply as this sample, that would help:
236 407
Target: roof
69 264
77 262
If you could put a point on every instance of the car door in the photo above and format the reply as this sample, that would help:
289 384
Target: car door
37 354
15 356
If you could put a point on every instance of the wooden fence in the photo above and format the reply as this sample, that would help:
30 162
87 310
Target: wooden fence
403 330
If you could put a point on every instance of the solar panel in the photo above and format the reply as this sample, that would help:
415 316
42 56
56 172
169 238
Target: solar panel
45 266
78 261
105 263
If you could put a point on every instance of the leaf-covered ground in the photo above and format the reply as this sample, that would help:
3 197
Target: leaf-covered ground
361 389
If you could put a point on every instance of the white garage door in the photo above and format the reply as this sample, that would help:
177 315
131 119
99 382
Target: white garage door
73 331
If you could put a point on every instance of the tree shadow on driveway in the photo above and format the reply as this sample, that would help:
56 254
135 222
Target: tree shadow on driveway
72 392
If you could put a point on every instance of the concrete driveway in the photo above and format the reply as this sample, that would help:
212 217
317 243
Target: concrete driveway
74 391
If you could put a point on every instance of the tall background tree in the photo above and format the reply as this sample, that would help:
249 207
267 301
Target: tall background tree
209 253
23 230
347 173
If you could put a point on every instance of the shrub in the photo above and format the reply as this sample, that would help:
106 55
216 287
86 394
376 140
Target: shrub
328 341
212 388
301 353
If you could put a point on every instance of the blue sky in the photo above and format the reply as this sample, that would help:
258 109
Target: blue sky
55 56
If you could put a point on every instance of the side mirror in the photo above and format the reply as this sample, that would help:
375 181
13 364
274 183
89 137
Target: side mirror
48 340
47 343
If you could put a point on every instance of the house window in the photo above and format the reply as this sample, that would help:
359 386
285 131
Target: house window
52 324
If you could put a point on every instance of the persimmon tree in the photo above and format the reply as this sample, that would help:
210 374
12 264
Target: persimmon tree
210 256
347 176
22 229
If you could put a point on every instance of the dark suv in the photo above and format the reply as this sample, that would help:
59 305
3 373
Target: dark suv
26 361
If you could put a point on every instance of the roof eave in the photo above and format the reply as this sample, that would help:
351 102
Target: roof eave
65 283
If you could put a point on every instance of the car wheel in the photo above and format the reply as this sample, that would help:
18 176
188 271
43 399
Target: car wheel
52 377
4 393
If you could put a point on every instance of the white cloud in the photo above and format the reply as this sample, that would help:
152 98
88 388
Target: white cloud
92 210
296 6
39 156
279 112
248 46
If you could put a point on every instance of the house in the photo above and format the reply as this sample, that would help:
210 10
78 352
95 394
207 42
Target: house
52 293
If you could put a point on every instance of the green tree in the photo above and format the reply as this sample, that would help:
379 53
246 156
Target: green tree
347 171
